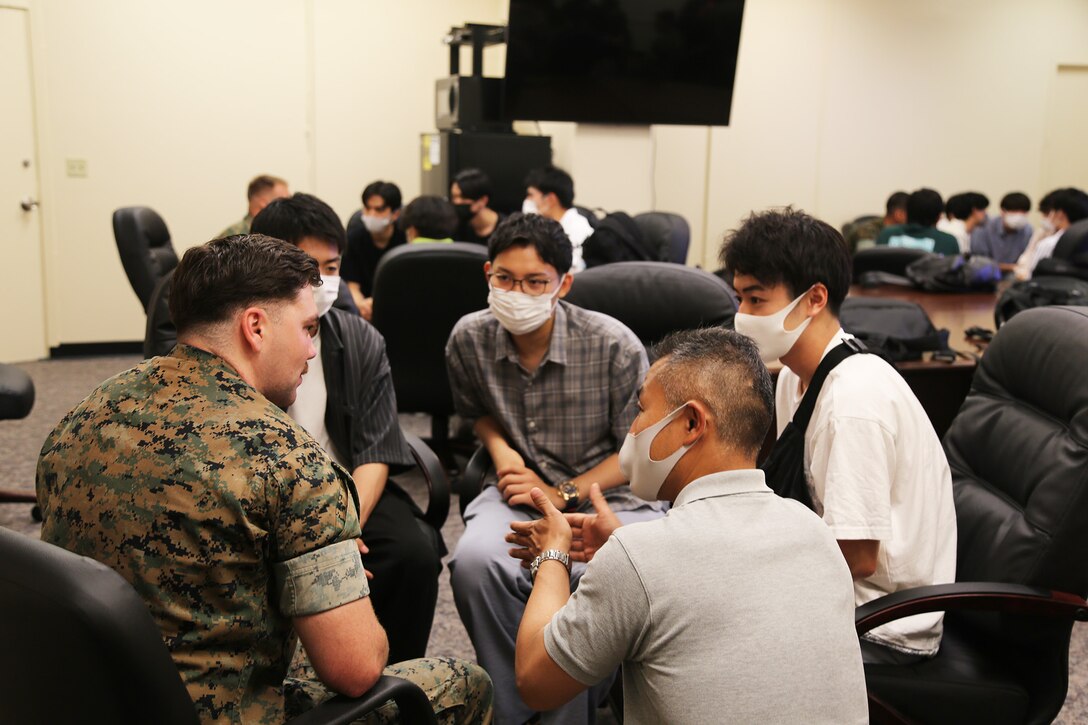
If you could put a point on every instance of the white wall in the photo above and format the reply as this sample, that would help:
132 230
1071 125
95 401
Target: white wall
838 103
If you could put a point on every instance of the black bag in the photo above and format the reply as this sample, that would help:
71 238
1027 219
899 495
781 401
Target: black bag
896 330
1040 292
617 238
784 469
961 273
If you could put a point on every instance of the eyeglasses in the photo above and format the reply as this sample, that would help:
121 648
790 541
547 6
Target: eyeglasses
533 286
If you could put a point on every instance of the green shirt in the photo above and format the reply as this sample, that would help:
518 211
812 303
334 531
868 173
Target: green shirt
226 517
916 236
428 240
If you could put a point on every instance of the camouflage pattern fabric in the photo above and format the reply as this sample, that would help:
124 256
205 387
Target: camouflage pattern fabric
239 227
225 516
460 691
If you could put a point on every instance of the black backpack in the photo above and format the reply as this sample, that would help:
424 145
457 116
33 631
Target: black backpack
617 238
1040 292
961 273
896 330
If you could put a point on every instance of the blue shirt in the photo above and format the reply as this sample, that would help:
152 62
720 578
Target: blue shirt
993 240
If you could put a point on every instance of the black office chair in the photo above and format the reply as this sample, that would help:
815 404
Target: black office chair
669 232
80 646
890 260
1019 456
146 252
1070 257
655 298
420 292
651 298
590 215
16 402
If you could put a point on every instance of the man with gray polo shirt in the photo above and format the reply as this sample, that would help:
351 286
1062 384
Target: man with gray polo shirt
736 607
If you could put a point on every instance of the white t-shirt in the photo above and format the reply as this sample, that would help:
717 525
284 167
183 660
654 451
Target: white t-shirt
578 230
876 470
1043 250
958 229
308 410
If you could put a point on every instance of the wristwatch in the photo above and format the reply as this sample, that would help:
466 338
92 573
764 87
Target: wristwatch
553 554
569 493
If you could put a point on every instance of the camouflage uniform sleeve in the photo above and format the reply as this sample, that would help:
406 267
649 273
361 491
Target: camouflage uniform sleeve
316 559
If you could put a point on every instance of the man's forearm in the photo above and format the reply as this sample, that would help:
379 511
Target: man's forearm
491 435
370 481
550 592
607 473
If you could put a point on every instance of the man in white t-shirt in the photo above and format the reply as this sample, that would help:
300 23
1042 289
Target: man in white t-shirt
874 466
735 607
1064 207
549 191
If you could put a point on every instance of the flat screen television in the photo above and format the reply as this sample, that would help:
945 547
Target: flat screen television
622 61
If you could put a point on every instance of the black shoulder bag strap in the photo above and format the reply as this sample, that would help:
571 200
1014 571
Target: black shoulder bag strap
785 467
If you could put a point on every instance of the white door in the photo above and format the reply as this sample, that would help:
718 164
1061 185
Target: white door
1065 154
22 301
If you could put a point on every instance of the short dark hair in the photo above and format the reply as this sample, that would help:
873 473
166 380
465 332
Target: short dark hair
896 202
387 190
961 206
261 184
215 280
474 184
432 217
788 246
1016 201
721 369
553 180
544 235
296 217
924 207
1072 202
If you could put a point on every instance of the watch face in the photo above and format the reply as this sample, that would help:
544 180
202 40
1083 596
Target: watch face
568 490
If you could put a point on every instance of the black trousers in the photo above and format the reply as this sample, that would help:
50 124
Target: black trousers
405 562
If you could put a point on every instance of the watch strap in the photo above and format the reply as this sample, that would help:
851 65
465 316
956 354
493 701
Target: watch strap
549 555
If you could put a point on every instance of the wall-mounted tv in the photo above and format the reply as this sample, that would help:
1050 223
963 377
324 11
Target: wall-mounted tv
622 61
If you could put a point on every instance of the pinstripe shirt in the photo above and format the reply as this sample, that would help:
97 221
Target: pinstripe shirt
361 413
570 413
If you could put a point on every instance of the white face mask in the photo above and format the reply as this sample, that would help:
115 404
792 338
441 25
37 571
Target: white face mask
529 207
376 224
1015 220
646 475
1048 224
769 331
518 312
326 294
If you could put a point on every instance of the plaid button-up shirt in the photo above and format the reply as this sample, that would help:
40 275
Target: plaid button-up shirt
570 413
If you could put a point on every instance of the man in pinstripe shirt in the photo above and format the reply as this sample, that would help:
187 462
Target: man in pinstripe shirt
346 402
551 390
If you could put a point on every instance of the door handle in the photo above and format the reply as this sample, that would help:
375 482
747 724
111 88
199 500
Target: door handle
28 203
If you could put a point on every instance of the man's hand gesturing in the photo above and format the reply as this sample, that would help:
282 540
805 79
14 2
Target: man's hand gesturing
590 531
533 537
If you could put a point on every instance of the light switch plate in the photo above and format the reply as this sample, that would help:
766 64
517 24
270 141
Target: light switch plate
77 168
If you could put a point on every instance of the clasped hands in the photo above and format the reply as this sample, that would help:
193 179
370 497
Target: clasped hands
579 534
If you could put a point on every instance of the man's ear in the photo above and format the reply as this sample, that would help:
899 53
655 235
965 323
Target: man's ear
487 271
817 299
254 324
696 418
564 284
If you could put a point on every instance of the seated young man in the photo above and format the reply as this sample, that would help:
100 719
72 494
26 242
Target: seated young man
924 207
370 241
346 402
549 191
429 218
470 193
874 467
735 607
1005 237
551 390
186 477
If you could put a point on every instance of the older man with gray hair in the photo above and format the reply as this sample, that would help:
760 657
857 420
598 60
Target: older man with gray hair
736 607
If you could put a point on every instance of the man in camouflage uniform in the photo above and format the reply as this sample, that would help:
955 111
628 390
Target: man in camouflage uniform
260 193
187 477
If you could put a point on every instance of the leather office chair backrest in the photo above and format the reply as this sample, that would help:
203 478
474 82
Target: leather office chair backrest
655 298
78 643
590 215
893 260
1073 244
667 231
16 393
146 252
420 292
1018 450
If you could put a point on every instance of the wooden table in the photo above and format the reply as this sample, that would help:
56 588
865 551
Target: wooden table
942 386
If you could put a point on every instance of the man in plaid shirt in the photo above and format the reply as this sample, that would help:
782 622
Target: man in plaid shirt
551 390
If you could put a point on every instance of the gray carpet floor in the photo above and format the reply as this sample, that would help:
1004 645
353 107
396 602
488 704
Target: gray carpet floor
61 384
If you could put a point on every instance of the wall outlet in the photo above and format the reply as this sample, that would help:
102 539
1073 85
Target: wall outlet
77 168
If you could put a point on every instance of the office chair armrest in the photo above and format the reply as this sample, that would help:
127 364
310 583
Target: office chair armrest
412 704
978 596
472 479
438 502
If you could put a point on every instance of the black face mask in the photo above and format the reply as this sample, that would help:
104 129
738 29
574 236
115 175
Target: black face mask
464 212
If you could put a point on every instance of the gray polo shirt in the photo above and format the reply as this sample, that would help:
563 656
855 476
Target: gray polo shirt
737 606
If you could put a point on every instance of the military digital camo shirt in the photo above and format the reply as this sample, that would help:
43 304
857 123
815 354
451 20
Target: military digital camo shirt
226 517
